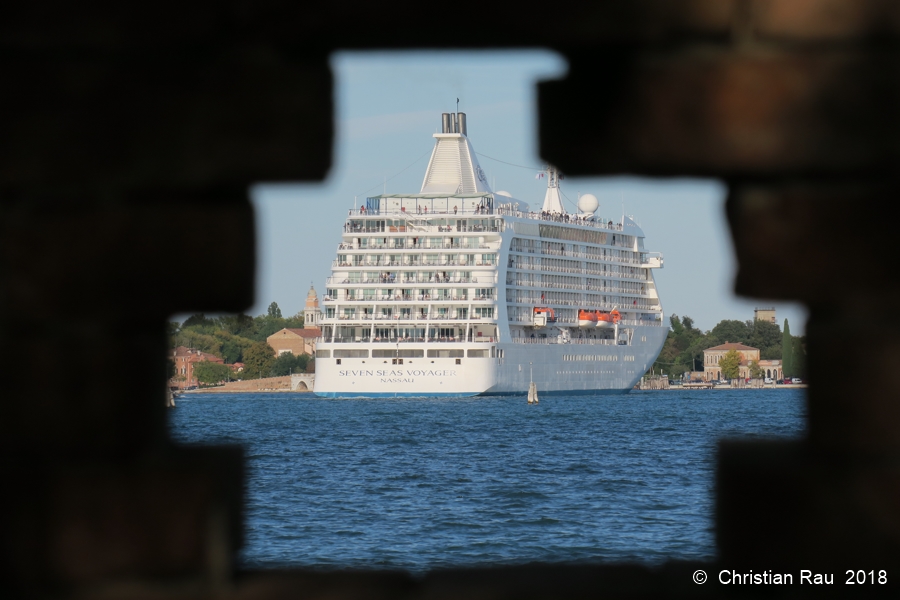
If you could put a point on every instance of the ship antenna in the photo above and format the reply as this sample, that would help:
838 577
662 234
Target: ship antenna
457 105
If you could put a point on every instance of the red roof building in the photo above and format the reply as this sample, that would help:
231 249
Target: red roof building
185 359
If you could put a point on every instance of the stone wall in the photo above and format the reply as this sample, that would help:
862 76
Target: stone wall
116 118
266 384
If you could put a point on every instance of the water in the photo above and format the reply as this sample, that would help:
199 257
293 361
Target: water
428 483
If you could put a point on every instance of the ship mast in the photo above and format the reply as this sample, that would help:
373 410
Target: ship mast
552 199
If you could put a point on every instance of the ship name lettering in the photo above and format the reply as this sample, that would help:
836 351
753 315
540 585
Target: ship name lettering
431 373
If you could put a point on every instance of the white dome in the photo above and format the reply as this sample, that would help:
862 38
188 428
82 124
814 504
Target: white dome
588 203
504 193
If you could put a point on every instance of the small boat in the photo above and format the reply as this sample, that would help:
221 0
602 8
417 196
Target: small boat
587 318
532 388
532 393
608 319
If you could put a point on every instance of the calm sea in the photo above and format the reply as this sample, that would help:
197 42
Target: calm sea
428 483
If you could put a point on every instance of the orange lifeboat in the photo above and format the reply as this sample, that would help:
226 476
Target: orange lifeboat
587 318
608 319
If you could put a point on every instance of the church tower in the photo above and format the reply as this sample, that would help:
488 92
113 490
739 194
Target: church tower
311 314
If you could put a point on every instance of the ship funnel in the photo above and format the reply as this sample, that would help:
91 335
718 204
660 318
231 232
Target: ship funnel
454 125
445 122
462 124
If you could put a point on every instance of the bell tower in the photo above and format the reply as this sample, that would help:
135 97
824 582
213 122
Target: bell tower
311 314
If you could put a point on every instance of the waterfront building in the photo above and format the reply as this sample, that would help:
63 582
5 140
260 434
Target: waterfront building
764 314
185 359
712 357
295 340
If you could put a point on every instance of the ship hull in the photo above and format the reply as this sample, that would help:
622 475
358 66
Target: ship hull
557 369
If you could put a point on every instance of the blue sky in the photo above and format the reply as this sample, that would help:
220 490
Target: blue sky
387 105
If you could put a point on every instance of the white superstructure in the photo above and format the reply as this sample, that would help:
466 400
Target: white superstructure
455 290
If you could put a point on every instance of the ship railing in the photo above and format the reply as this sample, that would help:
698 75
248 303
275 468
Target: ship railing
597 223
559 340
399 340
418 214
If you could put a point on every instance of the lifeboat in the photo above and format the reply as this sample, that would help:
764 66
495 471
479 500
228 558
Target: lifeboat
608 319
543 315
587 318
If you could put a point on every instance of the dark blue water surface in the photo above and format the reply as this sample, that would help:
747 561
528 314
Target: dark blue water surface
426 483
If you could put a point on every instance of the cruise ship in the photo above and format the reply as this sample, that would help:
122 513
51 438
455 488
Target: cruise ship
462 291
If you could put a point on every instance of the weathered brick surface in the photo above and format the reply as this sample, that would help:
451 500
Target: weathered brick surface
171 518
813 241
825 20
163 118
852 407
723 114
406 24
147 124
149 254
83 389
782 505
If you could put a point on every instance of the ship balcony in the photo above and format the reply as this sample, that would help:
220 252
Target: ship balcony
423 278
361 339
432 298
654 260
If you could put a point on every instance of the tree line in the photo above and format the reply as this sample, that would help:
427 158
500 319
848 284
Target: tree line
684 346
239 338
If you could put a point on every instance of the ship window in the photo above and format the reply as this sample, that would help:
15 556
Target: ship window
478 354
351 354
323 353
445 353
459 361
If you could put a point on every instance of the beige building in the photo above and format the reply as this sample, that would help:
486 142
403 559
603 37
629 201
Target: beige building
295 341
300 341
764 314
771 368
712 357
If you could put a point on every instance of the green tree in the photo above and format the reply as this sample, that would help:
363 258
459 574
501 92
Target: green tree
240 325
232 351
798 355
730 331
287 363
677 327
258 360
209 373
766 336
683 348
199 322
274 311
193 338
787 351
756 371
730 364
295 322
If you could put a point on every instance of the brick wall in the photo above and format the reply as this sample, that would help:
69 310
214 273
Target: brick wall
113 117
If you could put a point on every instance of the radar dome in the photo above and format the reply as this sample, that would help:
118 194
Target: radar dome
588 203
504 193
